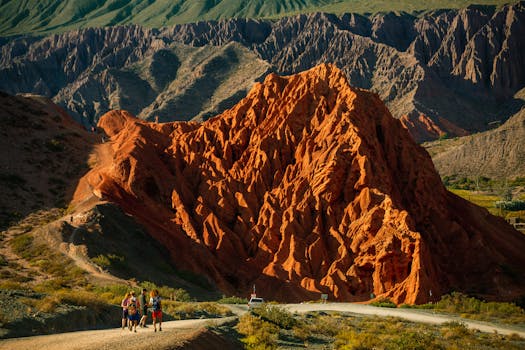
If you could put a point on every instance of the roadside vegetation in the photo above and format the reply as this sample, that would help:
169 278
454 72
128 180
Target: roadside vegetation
469 307
232 300
275 328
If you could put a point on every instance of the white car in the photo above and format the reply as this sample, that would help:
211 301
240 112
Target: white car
254 302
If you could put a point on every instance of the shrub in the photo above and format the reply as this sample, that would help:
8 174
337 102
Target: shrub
519 181
13 285
195 310
454 330
276 315
21 244
176 294
413 341
352 340
515 205
232 300
101 260
258 334
471 307
328 325
81 298
384 302
47 304
108 260
112 294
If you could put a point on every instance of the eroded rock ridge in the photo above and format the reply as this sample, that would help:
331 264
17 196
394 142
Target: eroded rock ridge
306 186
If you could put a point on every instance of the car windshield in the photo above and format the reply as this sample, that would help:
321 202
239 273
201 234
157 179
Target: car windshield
256 300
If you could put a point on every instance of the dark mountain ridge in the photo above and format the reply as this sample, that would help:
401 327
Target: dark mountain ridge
446 72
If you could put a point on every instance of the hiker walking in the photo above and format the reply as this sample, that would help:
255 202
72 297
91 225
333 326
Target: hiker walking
156 305
124 304
133 312
143 308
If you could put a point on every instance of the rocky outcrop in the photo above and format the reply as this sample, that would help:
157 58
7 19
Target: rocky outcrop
456 67
306 186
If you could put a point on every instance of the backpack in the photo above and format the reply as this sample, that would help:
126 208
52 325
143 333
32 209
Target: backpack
156 304
132 307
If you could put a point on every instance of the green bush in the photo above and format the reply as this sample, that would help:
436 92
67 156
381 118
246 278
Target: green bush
459 303
232 300
519 181
276 315
106 261
21 245
112 294
515 205
258 334
325 324
384 302
186 310
176 294
352 340
408 340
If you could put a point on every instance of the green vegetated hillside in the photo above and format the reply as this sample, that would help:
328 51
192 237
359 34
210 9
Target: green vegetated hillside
46 16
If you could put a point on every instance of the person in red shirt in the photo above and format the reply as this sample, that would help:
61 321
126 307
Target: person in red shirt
156 305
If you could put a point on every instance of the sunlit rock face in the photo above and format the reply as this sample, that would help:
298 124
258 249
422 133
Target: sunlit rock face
306 186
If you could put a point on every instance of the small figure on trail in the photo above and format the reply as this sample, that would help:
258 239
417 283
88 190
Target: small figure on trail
133 313
156 305
124 304
143 308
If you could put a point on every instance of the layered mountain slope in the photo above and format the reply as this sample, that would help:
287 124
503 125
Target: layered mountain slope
31 16
497 154
306 186
446 72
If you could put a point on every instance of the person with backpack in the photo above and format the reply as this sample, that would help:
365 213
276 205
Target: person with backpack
133 312
124 304
156 306
143 308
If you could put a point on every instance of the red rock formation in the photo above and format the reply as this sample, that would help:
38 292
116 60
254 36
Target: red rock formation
422 128
307 186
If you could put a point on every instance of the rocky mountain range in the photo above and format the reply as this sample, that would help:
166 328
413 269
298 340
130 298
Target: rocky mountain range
306 186
443 72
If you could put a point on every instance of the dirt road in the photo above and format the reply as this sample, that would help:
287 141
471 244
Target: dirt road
424 316
177 333
174 333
